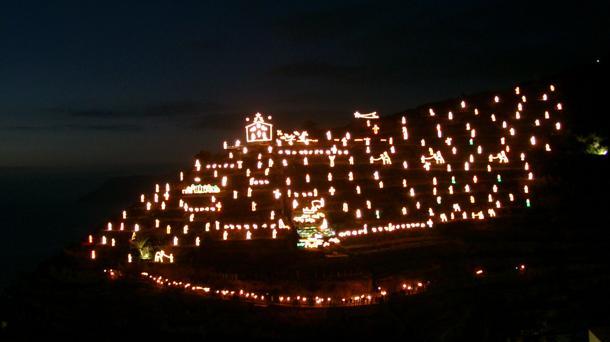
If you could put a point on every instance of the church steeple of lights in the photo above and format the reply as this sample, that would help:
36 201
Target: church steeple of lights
259 130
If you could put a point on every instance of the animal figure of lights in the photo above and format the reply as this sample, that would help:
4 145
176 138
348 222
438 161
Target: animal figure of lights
295 136
384 158
436 156
161 256
259 130
501 157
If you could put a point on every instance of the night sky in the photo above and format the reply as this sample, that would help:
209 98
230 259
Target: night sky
118 83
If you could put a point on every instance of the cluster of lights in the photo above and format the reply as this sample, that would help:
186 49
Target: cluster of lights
384 176
297 300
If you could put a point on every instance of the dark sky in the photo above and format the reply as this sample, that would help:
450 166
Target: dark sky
109 83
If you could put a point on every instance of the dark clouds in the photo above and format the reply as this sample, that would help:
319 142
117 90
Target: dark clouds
164 109
178 77
79 127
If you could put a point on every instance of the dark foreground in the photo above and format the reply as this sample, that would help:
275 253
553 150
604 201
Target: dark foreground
562 292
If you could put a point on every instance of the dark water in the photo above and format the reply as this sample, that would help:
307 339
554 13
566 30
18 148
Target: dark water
42 210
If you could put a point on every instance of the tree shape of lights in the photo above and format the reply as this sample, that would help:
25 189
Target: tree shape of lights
259 130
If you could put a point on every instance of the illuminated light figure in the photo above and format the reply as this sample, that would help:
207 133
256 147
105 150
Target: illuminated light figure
259 130
161 256
384 158
197 241
225 235
533 140
405 133
376 129
501 157
372 115
437 156
332 160
129 258
358 213
345 207
201 189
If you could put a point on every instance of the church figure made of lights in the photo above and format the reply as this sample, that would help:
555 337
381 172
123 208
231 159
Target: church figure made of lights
463 160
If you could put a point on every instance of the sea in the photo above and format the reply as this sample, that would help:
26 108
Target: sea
45 209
